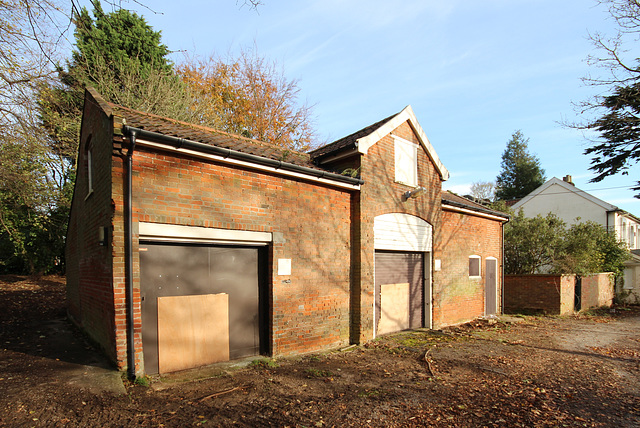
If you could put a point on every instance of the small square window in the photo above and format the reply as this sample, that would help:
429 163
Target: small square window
406 162
474 266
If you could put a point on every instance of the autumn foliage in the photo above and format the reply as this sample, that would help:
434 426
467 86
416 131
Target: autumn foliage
250 96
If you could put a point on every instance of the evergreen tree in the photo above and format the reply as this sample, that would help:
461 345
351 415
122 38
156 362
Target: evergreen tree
615 117
521 172
618 148
121 56
122 37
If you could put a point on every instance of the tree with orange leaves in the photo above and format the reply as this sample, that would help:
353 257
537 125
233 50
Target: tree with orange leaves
250 96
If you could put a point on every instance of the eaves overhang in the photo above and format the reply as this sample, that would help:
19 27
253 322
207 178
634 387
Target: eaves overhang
194 148
481 212
364 143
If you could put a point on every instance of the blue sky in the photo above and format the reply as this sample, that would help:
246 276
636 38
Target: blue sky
473 71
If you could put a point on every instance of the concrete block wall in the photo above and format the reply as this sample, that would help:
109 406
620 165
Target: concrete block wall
567 294
458 298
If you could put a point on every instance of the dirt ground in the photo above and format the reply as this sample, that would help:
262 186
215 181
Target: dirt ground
542 371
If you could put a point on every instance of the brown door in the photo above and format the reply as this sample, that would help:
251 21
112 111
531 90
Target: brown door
491 287
399 291
191 270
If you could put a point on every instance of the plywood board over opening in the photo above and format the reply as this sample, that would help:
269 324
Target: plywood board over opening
394 303
193 331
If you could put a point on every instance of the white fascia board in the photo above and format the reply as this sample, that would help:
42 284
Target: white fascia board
175 232
366 142
246 164
448 207
569 188
631 217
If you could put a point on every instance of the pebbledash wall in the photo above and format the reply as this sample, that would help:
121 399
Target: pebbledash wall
327 231
555 294
457 297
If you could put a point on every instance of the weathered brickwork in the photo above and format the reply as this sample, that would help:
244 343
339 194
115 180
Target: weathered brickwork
381 194
457 297
537 293
555 294
90 294
310 307
597 290
327 232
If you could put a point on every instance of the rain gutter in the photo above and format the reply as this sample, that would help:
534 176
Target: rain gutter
223 153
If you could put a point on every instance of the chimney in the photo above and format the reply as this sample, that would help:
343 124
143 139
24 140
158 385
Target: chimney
567 179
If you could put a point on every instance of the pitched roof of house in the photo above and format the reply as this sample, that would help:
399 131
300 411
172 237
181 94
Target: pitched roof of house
202 134
454 200
349 140
363 139
569 187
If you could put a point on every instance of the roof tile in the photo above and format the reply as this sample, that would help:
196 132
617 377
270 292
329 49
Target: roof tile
214 137
349 139
454 199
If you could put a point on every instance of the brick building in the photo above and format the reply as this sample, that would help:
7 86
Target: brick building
188 246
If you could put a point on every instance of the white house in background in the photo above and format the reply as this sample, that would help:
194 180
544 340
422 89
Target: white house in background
573 205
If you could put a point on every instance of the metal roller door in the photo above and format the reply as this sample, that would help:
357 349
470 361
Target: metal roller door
399 291
198 270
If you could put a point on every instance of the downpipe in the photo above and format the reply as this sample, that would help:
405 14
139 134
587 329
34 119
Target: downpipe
128 221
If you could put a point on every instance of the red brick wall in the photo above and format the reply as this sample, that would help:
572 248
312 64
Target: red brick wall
309 313
456 297
381 195
551 294
554 294
326 231
90 297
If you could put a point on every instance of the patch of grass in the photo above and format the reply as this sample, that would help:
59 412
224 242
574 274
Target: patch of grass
422 339
596 312
264 363
318 373
143 381
369 393
313 358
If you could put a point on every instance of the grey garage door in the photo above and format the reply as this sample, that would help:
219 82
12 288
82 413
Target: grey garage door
189 270
399 290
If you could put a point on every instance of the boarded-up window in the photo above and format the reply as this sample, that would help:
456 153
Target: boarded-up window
474 266
406 162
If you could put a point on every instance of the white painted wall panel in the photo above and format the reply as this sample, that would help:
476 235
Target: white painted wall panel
566 205
402 232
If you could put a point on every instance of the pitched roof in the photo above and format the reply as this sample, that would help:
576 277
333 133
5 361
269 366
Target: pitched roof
569 188
454 200
202 134
349 140
367 137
